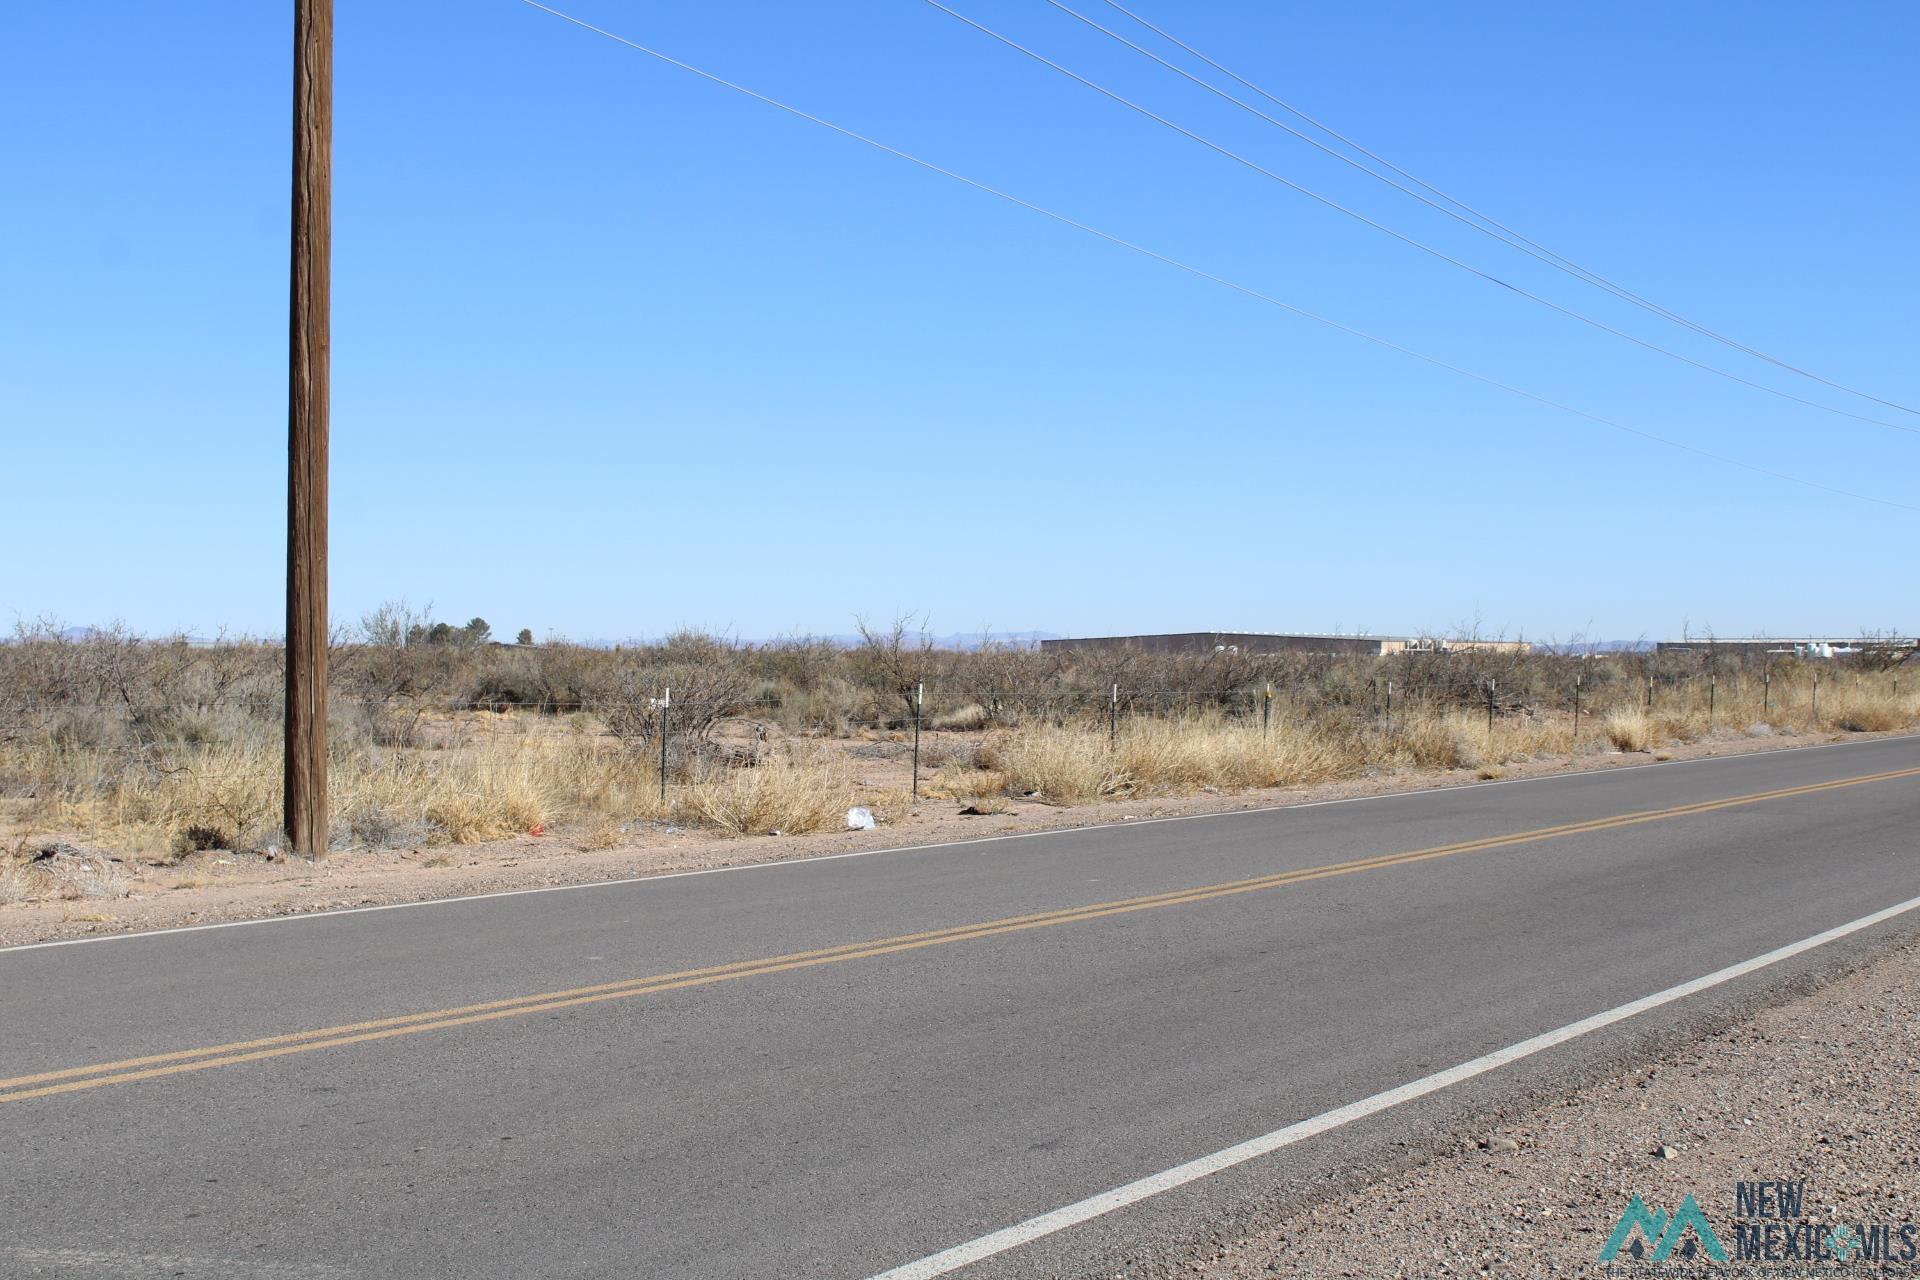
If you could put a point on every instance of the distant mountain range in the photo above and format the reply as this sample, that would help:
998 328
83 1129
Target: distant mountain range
973 639
1598 646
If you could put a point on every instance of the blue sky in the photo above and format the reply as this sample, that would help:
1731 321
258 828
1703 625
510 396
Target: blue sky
617 351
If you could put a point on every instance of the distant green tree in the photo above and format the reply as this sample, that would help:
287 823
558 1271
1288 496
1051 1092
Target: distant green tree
525 636
478 632
440 633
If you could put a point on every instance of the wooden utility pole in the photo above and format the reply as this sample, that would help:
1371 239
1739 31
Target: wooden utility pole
307 377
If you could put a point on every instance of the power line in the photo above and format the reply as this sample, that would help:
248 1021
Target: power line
1401 236
1491 226
1466 218
1201 272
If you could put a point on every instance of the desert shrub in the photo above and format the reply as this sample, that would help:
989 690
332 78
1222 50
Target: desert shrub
686 686
893 664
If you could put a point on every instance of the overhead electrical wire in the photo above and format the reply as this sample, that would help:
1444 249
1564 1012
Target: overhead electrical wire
1401 236
1473 217
1203 274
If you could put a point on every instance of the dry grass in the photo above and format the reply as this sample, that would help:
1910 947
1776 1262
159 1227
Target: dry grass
491 789
1628 729
15 885
1455 739
986 802
966 719
1864 711
978 790
228 795
69 879
485 777
1428 739
1164 757
954 778
804 793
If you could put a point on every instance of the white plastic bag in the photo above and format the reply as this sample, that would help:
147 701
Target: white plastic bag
860 820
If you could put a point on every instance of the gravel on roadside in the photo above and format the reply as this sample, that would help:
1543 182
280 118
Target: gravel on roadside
1820 1089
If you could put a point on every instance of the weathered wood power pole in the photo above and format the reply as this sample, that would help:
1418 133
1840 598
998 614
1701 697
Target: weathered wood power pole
307 377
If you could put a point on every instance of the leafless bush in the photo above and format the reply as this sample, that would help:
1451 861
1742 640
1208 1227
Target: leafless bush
895 663
686 687
394 678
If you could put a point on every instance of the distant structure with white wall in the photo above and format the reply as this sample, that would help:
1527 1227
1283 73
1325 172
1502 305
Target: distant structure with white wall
1789 646
1269 643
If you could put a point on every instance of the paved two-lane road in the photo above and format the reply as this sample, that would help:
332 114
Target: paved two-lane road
833 1069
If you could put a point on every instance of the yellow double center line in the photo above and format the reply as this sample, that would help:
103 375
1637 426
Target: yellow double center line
128 1070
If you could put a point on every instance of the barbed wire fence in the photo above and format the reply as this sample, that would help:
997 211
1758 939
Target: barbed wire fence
165 738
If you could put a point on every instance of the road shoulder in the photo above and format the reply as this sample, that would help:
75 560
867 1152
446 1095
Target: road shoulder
1818 1090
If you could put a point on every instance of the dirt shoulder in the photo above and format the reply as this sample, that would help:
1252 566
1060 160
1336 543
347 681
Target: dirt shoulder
216 887
1820 1091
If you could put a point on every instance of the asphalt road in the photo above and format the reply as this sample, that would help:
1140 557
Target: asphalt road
793 1105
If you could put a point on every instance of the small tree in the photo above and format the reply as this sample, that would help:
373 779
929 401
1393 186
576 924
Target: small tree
395 624
525 636
477 631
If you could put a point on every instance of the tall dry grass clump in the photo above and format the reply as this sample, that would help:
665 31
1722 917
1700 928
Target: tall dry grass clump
216 796
16 885
790 794
1061 765
1628 729
1075 765
1858 709
1428 738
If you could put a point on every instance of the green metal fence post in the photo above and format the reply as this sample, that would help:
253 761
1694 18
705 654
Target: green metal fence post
666 701
919 713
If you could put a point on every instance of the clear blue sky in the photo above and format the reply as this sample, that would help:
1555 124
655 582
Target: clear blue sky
617 351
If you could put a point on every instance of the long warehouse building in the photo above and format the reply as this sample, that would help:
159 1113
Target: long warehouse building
1263 643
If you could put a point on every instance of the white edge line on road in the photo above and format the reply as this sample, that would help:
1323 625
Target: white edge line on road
964 1255
135 935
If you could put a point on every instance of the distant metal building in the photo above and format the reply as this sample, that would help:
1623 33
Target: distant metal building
1787 646
1262 643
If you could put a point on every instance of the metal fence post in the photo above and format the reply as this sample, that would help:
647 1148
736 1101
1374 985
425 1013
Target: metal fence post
1266 714
1389 708
1816 698
1113 724
1709 702
1491 685
919 713
666 701
1576 710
